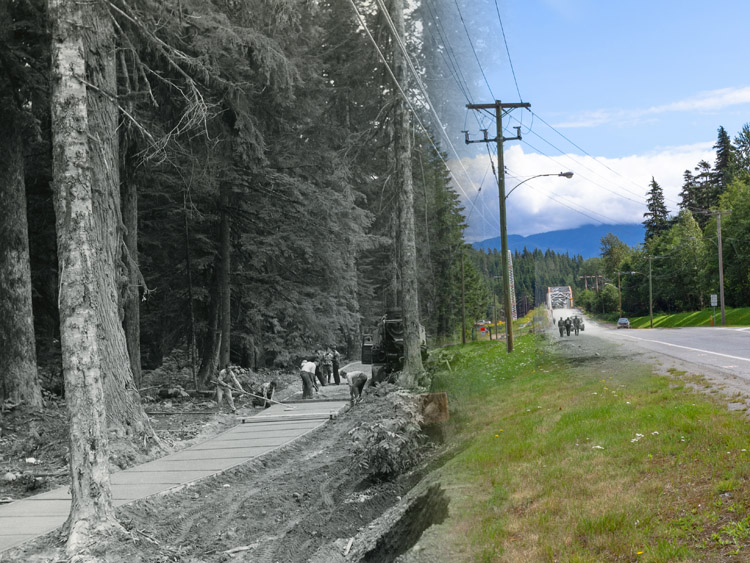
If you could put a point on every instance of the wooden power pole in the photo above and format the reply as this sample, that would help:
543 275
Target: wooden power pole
499 108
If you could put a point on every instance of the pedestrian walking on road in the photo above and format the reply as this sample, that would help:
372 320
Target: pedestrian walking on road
568 326
561 326
576 324
307 374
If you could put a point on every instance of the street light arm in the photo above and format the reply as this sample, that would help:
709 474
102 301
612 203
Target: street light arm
563 174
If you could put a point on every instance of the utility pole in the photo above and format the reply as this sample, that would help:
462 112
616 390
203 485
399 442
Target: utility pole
721 263
619 294
463 301
499 107
494 315
650 297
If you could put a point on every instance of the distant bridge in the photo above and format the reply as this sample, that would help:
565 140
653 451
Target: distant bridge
560 297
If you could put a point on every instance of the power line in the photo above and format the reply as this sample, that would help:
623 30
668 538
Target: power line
468 36
589 155
505 40
363 23
420 84
554 197
579 163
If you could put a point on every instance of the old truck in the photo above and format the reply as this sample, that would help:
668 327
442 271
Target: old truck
384 348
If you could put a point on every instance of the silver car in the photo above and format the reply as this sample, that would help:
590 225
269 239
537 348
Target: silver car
623 323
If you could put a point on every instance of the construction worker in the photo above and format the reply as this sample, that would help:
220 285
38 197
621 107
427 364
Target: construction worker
357 381
336 363
225 382
307 374
326 366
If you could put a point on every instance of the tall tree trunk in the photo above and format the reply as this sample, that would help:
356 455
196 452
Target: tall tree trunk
189 272
211 340
225 290
91 510
131 296
408 250
125 414
19 380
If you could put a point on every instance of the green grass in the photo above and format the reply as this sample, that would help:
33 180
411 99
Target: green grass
734 317
567 463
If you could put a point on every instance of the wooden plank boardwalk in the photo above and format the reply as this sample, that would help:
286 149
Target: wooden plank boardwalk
260 433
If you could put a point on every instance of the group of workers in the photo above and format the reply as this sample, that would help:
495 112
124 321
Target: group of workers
567 325
315 372
311 369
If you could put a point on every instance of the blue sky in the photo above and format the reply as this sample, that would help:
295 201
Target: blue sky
641 86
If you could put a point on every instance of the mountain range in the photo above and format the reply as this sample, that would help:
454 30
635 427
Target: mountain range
585 240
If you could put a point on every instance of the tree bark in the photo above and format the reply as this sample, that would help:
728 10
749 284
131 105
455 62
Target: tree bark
131 296
19 380
189 272
211 340
92 511
225 291
408 250
125 414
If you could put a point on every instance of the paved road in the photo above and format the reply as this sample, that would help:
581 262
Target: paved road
723 349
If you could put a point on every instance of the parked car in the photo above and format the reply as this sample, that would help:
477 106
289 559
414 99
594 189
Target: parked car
623 323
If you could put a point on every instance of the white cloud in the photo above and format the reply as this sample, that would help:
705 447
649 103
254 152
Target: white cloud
603 190
705 101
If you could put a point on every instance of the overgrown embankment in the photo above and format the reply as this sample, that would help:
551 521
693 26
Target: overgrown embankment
575 452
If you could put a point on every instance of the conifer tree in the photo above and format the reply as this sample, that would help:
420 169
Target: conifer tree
725 164
656 219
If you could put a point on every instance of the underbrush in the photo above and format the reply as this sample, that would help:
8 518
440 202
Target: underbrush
598 462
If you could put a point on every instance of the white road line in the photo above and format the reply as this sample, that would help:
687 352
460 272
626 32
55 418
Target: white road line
688 348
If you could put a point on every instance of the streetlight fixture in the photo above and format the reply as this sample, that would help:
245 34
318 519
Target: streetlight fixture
504 242
567 174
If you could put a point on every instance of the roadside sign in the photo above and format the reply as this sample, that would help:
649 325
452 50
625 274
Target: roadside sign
713 300
481 329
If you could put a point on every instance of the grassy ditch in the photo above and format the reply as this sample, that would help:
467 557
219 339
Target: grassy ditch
734 317
598 461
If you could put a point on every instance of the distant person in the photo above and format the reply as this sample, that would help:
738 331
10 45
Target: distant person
576 324
336 363
326 367
319 367
561 326
307 374
568 326
357 381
